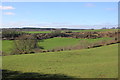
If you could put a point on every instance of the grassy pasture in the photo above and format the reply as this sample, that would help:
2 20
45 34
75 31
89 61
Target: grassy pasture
7 46
96 30
37 31
101 62
57 42
52 43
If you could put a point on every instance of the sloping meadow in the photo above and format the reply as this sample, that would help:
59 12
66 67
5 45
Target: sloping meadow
101 62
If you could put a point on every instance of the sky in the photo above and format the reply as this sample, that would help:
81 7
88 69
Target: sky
59 14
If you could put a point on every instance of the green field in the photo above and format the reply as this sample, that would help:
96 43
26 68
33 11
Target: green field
57 42
52 43
101 62
7 46
37 31
96 30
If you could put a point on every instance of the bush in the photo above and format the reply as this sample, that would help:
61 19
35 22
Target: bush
69 31
25 44
56 33
11 34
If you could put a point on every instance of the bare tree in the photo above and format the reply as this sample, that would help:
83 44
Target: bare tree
25 44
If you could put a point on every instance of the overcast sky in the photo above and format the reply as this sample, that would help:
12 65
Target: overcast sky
59 14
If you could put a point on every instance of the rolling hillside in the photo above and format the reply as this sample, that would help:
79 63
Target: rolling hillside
101 62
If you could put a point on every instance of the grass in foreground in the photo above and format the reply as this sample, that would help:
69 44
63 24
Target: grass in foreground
99 62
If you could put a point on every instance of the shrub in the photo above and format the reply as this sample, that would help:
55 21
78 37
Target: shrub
69 31
25 44
11 34
56 33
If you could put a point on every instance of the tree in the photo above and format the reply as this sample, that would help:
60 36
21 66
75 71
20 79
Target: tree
25 44
113 28
56 33
118 27
104 28
69 31
11 34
